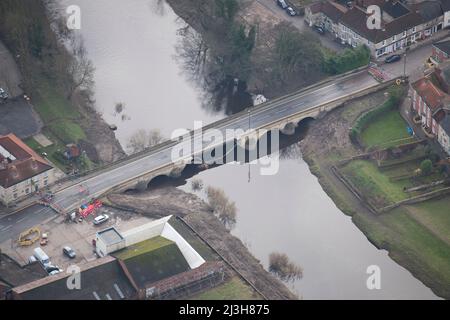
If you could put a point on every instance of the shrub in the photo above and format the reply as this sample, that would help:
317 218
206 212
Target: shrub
426 166
348 60
395 94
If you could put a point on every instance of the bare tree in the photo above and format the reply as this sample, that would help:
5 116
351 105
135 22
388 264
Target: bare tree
224 208
142 140
80 68
286 270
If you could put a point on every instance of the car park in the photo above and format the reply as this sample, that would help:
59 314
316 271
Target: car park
69 252
393 58
101 219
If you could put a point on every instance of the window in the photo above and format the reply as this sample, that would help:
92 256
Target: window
27 190
404 33
15 195
45 182
414 29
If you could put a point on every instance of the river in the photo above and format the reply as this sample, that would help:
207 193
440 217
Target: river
132 44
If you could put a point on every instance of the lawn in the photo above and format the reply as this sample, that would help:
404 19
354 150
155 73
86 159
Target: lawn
59 116
387 130
373 184
427 254
434 215
233 289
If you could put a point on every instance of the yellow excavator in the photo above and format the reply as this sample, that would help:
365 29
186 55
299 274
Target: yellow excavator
30 236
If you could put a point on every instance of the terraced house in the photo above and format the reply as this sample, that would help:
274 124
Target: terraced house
401 23
22 171
431 104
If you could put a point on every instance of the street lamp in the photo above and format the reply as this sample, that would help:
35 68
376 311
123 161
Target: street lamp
404 62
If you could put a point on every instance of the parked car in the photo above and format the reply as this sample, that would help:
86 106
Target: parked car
69 252
282 4
100 219
3 94
319 30
393 58
291 11
52 270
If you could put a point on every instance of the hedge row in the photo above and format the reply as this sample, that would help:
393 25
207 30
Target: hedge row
362 122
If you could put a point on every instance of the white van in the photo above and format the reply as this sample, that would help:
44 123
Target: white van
41 256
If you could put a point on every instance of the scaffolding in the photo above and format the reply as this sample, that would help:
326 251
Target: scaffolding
208 275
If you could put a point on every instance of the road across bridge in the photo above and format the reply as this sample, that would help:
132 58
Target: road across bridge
261 116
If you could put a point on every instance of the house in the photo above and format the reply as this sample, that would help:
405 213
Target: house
431 104
440 52
427 100
22 171
401 25
445 5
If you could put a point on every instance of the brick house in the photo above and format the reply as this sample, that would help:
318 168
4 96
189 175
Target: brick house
431 103
22 171
440 51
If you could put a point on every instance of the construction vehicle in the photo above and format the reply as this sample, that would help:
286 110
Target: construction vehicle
30 236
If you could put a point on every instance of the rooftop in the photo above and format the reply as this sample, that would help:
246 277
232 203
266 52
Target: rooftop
18 162
443 46
110 236
102 279
429 92
152 260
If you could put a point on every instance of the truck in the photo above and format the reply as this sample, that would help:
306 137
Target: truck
41 256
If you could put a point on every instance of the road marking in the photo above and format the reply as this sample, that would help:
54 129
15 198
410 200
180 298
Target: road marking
7 228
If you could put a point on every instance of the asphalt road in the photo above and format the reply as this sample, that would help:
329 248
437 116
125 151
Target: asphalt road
71 197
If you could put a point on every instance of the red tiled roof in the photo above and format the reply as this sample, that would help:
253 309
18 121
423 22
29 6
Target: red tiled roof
431 94
26 165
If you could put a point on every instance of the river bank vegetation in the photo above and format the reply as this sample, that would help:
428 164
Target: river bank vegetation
415 234
57 78
232 52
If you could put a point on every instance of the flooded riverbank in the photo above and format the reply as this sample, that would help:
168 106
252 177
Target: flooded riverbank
132 44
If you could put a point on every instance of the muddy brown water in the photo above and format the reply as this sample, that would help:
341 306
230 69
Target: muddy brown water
132 44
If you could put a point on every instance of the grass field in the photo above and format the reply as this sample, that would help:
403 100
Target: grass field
233 289
387 130
434 215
